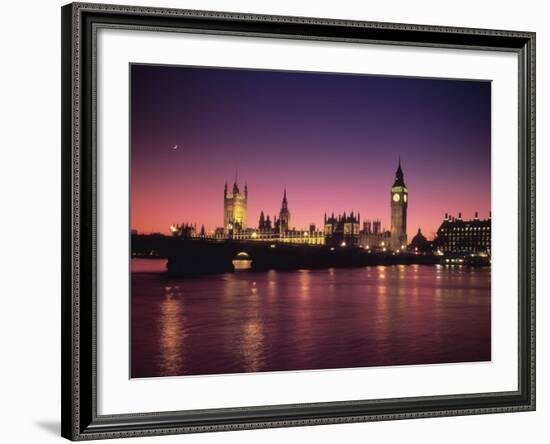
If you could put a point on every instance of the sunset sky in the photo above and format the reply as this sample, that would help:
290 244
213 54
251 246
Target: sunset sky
333 140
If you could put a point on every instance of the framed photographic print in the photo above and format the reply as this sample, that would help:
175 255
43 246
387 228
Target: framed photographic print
281 221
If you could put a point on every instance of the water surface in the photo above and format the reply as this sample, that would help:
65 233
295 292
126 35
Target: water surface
301 320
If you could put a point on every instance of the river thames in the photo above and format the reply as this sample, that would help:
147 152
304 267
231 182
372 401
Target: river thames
307 319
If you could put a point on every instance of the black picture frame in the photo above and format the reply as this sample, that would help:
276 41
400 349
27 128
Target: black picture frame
80 420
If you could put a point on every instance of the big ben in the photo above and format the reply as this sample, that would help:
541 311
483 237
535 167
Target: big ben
399 202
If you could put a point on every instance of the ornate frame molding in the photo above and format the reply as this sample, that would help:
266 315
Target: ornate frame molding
80 22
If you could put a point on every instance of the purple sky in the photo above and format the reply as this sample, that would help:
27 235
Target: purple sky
332 140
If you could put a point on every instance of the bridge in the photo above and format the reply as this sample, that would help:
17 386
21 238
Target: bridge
196 257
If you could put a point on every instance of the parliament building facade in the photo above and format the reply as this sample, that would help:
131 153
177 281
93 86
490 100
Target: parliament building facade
340 230
455 236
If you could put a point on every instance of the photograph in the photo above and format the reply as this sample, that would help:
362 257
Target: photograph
302 220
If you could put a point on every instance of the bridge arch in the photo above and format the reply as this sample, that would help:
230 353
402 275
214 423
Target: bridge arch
242 261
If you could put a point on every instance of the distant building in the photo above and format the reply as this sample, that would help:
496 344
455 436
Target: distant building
399 201
458 236
342 230
235 210
184 230
284 216
420 244
278 230
372 237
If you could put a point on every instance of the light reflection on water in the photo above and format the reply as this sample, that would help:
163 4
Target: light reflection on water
172 334
308 319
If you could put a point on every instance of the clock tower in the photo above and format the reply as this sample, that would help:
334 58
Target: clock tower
399 201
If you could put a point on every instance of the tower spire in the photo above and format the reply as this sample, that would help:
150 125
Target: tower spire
235 186
284 214
399 179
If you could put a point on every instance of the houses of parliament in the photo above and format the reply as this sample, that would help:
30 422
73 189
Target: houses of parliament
454 235
339 230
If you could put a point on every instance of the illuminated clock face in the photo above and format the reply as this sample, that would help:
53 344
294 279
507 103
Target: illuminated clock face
405 198
396 197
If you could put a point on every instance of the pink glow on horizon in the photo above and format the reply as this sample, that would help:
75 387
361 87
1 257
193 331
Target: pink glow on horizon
168 200
331 140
